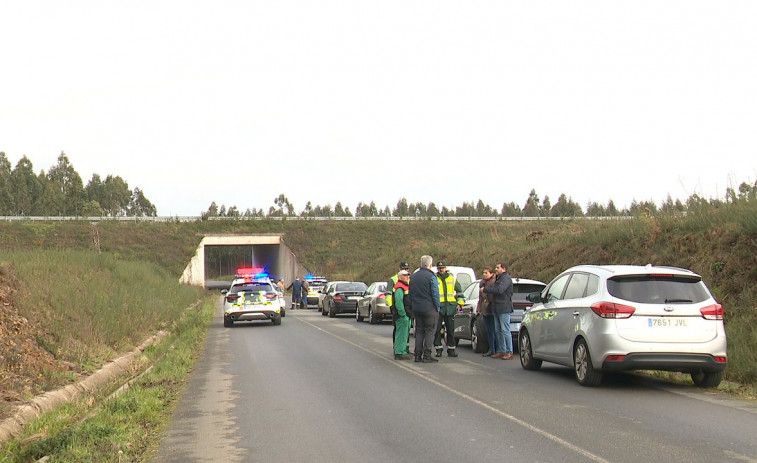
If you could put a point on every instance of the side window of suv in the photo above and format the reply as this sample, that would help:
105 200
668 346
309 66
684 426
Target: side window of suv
577 286
556 288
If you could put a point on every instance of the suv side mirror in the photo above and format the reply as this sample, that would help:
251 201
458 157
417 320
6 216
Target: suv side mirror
534 297
224 291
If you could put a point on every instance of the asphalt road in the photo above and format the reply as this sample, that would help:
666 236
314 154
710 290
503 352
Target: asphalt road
318 389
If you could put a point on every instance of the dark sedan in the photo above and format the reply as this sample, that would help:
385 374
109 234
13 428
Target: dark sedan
469 326
342 297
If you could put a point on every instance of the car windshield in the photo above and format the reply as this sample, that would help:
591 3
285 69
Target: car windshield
357 286
658 289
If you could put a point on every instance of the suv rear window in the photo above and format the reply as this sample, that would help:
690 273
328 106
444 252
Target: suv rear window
655 289
252 287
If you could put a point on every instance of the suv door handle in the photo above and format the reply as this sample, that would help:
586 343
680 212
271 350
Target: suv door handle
576 313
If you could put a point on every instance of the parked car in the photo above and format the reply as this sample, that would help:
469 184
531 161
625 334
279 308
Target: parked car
372 304
316 284
612 318
322 295
471 327
342 297
250 301
253 283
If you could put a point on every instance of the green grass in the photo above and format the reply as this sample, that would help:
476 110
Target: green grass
123 428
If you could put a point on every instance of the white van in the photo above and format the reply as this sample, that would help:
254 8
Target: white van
464 275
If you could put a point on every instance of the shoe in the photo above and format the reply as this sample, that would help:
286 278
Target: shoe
507 356
418 359
402 356
438 352
488 354
451 353
430 360
497 355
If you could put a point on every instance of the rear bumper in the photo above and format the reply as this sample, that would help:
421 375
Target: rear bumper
253 315
344 307
666 362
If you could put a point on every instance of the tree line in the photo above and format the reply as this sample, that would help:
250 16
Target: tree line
60 192
533 207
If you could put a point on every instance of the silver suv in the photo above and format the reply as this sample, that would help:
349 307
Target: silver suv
618 317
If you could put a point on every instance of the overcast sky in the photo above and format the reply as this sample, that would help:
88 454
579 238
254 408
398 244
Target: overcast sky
358 101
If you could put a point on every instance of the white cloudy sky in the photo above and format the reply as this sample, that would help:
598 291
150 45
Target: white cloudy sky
374 100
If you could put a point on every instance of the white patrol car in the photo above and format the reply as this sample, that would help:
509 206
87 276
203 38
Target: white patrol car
252 296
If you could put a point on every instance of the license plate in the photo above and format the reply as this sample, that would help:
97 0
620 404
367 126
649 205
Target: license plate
352 298
667 322
514 326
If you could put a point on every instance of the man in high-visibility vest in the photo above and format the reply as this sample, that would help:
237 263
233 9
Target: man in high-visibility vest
389 294
450 298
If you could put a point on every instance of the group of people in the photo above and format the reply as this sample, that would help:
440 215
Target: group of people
432 300
300 288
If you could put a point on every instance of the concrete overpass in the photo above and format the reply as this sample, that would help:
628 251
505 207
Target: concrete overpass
282 261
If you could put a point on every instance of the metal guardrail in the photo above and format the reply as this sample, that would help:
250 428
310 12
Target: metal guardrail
197 218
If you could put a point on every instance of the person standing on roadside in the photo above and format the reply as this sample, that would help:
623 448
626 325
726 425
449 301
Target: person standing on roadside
450 297
280 284
424 296
502 307
402 310
296 293
484 309
389 294
305 291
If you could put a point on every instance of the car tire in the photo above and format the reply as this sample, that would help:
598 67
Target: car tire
707 379
276 320
283 312
227 322
323 312
582 366
527 360
371 316
332 314
478 338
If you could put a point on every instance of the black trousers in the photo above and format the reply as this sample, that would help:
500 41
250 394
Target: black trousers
425 327
448 321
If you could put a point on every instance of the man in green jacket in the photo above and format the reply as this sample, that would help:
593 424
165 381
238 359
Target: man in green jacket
402 316
450 297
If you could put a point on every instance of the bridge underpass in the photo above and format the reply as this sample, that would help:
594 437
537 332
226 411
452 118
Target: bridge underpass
217 256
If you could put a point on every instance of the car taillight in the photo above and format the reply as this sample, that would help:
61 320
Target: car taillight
614 358
612 310
232 298
525 305
721 359
271 295
380 295
338 297
712 312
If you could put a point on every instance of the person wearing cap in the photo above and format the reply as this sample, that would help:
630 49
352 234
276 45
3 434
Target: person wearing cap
450 297
389 296
502 307
424 295
402 311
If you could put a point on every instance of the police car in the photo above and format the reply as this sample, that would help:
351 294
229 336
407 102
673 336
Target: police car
251 296
316 283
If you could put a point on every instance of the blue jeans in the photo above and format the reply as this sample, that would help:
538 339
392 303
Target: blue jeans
502 330
490 333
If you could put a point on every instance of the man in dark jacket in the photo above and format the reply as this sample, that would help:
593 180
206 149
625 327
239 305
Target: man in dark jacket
502 307
424 294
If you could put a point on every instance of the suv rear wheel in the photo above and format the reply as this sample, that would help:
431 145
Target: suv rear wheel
585 372
707 378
